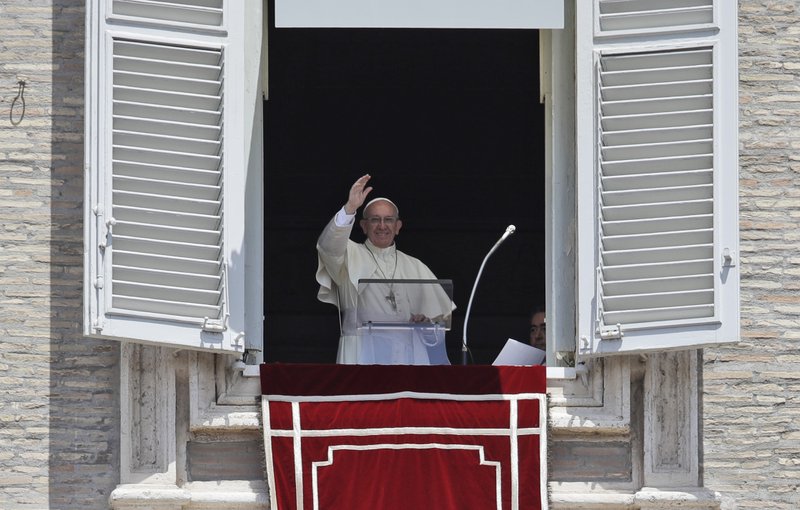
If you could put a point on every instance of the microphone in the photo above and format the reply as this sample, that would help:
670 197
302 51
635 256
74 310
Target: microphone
509 230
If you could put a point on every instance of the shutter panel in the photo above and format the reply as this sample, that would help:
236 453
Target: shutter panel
161 233
167 180
659 208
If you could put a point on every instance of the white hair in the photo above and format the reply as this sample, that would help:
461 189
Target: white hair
379 199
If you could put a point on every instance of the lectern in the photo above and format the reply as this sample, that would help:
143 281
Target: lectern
403 322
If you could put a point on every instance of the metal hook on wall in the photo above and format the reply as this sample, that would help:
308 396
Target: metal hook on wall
21 98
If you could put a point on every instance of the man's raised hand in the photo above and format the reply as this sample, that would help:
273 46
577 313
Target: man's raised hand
358 193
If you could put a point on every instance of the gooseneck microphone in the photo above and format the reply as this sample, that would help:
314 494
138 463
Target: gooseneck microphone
509 230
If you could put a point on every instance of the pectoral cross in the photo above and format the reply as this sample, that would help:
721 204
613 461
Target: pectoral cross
392 300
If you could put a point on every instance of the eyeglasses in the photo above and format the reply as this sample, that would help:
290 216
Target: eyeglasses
387 220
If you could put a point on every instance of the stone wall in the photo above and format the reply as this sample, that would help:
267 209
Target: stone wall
751 412
59 407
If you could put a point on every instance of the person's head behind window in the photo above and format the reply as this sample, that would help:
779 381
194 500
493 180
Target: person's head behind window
538 334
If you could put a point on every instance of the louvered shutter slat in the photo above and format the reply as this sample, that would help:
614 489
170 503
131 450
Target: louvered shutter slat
161 127
170 278
163 142
166 84
167 202
657 90
142 185
655 239
161 307
678 163
649 135
648 76
644 286
657 150
180 57
655 225
166 173
166 263
659 270
166 158
652 300
657 180
136 65
169 248
631 255
660 315
656 211
643 195
633 62
166 97
150 231
665 105
184 219
614 123
164 112
166 292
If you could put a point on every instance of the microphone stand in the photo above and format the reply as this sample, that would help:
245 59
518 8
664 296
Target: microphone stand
509 230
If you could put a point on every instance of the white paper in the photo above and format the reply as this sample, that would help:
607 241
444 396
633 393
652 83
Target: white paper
518 353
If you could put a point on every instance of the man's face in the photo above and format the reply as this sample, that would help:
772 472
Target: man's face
381 224
538 331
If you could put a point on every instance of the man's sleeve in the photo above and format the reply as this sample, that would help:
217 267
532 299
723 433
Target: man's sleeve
332 256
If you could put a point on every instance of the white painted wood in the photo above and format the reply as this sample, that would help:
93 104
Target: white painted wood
653 226
419 14
557 84
166 263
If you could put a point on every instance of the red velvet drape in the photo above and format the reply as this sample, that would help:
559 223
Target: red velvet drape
403 437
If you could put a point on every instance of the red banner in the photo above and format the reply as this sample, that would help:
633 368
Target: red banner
370 437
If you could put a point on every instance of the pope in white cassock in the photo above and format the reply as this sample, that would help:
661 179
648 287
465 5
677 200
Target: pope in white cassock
342 263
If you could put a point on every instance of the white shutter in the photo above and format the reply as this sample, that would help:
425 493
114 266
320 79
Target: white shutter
657 194
164 172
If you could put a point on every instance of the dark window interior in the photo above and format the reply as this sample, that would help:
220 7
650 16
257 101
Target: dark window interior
449 124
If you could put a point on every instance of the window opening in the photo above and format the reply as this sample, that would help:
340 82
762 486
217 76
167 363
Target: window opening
449 124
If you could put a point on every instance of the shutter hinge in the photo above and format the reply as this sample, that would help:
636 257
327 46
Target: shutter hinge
611 332
215 325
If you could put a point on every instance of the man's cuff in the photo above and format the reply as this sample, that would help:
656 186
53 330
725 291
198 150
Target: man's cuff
342 219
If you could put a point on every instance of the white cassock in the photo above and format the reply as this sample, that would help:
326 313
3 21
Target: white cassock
342 263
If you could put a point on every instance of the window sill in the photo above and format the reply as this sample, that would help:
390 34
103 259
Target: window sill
566 373
554 373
